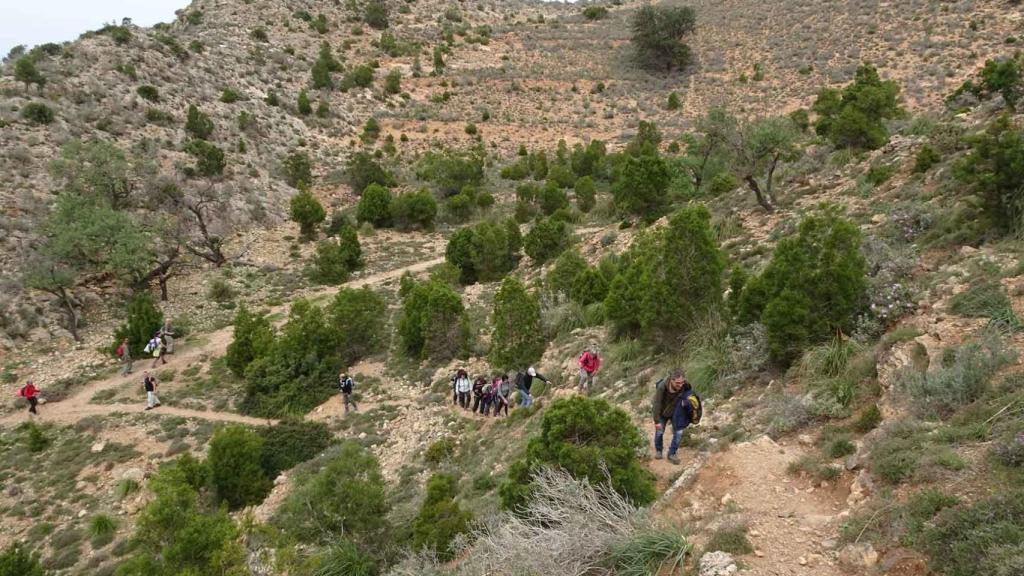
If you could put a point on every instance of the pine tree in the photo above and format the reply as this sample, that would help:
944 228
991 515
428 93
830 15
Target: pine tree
518 340
198 124
304 107
253 338
307 212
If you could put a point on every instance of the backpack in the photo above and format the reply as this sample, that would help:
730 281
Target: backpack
120 351
696 408
520 381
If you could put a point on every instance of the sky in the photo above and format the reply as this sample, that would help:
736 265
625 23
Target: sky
32 22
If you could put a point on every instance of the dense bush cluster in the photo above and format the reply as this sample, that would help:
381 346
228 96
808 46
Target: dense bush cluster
451 171
669 281
658 33
296 370
433 323
994 170
518 340
337 257
813 288
485 252
142 320
854 117
440 518
589 439
547 239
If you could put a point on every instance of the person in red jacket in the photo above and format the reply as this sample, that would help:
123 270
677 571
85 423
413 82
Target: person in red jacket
31 393
590 362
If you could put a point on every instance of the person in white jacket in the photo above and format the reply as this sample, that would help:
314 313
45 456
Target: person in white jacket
462 388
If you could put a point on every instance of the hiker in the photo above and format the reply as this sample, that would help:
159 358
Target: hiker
671 403
149 383
124 352
346 385
462 388
589 363
157 347
524 382
31 393
455 389
500 395
167 336
478 392
487 397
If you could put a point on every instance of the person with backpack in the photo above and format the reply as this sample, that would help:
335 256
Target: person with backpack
159 351
346 385
501 394
167 336
674 401
524 383
462 388
478 392
589 363
124 353
487 398
30 393
149 384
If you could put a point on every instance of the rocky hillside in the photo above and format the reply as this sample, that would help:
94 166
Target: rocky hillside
499 185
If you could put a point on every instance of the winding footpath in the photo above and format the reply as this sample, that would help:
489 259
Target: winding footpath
77 406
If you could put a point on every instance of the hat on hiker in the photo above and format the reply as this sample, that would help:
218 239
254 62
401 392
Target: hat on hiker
531 371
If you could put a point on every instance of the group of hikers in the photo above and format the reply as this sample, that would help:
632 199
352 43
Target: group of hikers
159 346
674 402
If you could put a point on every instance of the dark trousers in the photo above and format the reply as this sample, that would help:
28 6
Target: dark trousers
485 406
32 405
464 399
476 403
499 405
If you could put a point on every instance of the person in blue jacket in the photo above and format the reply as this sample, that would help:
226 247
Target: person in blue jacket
671 403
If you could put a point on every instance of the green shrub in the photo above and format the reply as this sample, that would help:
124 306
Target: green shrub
483 253
148 92
235 471
546 240
595 12
518 340
348 495
26 72
359 77
361 317
345 559
589 287
142 320
585 194
926 158
35 439
230 96
986 299
209 158
101 530
992 170
460 207
37 112
669 280
452 171
974 539
291 442
303 105
730 540
414 210
657 33
854 117
868 420
552 198
433 323
253 338
17 560
440 518
812 288
198 124
393 82
961 381
590 439
335 259
174 534
306 210
641 187
563 274
362 170
375 206
439 451
298 169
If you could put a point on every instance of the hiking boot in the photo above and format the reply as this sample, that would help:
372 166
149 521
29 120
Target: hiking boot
658 456
672 458
149 407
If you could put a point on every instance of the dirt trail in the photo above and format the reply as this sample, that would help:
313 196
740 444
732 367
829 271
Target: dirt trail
793 524
212 344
